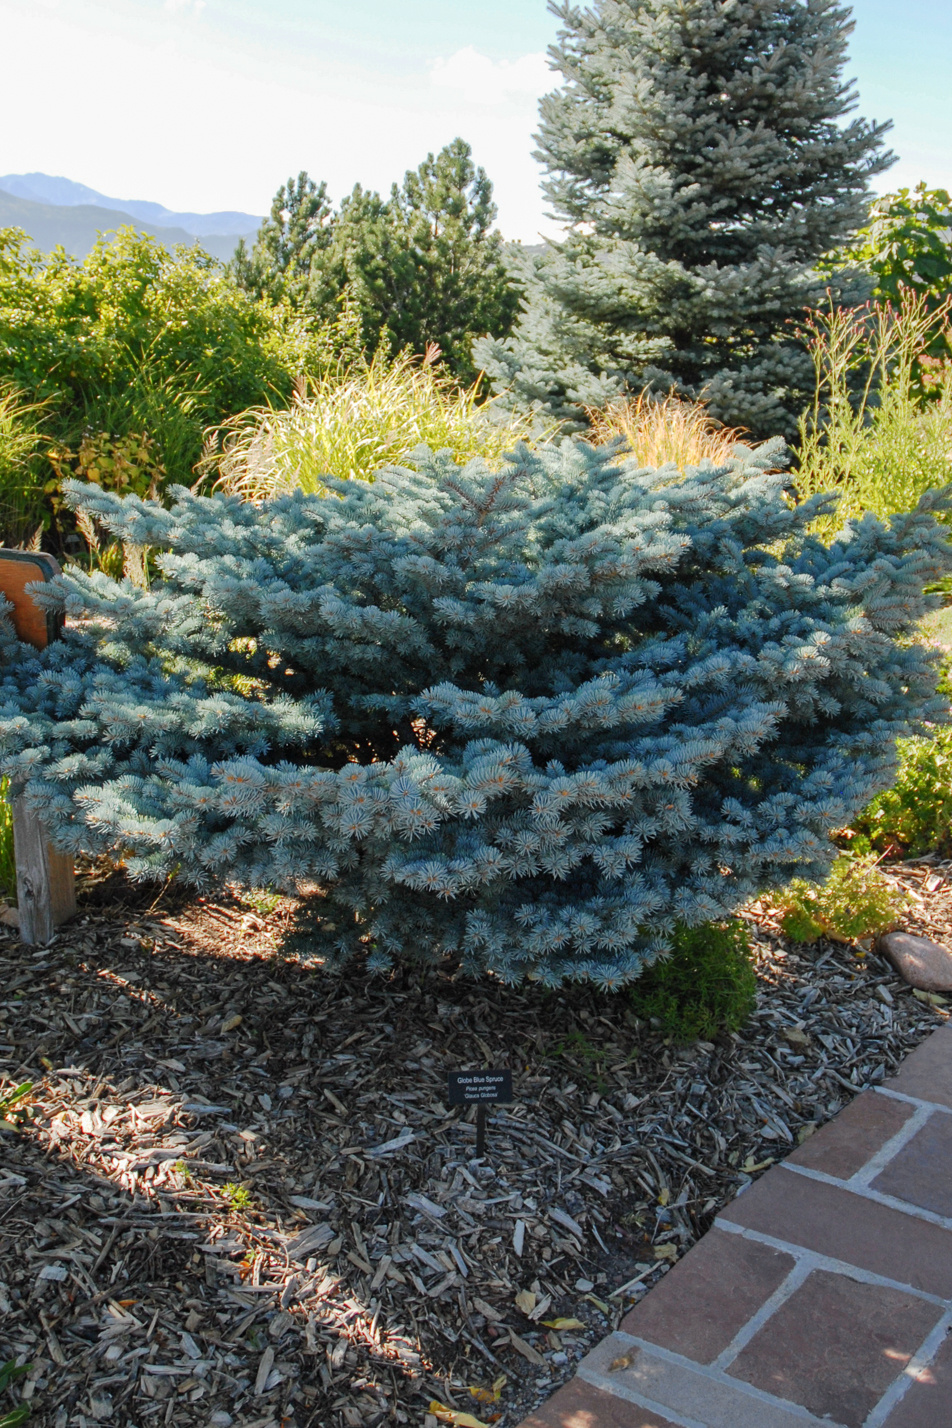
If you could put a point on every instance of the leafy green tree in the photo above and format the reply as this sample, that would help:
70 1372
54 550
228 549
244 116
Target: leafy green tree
906 247
366 267
456 286
906 244
287 243
699 155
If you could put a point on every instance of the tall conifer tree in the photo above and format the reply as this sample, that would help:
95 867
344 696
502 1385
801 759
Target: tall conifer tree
425 266
287 243
699 153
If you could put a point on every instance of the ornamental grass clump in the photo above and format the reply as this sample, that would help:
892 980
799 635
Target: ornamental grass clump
658 431
530 719
354 419
873 435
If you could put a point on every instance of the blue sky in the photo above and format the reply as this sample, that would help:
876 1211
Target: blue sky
209 104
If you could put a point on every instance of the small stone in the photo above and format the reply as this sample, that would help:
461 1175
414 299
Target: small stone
585 1285
923 964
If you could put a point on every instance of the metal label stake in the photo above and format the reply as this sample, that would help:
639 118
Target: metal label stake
479 1089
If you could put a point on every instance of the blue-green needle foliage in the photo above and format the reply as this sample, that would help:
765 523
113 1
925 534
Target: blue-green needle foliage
534 718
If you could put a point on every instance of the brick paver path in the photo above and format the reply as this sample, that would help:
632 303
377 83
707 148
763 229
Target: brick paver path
822 1295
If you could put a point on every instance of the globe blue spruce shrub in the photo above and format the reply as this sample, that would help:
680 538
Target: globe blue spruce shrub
533 719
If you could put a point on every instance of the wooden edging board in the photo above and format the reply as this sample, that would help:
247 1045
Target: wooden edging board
46 885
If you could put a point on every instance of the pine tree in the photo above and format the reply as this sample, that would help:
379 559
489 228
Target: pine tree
696 153
460 287
532 718
368 264
424 267
287 243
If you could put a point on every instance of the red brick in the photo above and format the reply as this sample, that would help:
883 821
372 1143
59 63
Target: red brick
836 1345
580 1405
845 1144
710 1294
928 1402
846 1226
922 1171
927 1072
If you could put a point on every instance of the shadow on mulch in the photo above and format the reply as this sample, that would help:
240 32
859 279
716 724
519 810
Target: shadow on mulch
243 1198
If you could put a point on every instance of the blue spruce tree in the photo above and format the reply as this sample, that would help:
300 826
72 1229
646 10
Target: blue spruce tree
697 153
531 718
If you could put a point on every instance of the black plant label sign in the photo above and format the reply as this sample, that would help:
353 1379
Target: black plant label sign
478 1088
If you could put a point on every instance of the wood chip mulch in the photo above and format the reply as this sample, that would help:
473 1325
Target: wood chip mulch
241 1197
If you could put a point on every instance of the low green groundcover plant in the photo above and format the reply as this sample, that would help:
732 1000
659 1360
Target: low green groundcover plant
854 901
532 719
707 984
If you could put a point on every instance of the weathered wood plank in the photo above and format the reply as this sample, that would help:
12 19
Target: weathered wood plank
46 887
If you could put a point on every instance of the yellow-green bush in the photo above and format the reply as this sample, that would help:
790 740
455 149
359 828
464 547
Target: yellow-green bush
855 901
914 817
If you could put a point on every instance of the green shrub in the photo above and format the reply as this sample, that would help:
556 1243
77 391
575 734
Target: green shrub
135 339
915 815
855 901
905 247
705 986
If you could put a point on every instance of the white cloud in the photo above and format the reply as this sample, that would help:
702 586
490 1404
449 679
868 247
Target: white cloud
177 7
477 79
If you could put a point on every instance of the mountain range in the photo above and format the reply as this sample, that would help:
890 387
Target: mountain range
59 211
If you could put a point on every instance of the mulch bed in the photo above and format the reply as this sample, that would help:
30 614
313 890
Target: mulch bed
243 1199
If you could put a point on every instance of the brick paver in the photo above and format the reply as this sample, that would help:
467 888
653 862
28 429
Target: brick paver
822 1295
927 1073
836 1345
921 1173
688 1312
850 1140
581 1405
928 1403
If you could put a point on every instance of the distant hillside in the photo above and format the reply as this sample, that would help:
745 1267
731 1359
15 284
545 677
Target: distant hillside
64 193
77 227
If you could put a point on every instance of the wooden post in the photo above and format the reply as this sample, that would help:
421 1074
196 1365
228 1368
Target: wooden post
46 885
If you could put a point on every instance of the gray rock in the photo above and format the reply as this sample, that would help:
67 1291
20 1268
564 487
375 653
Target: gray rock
923 964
